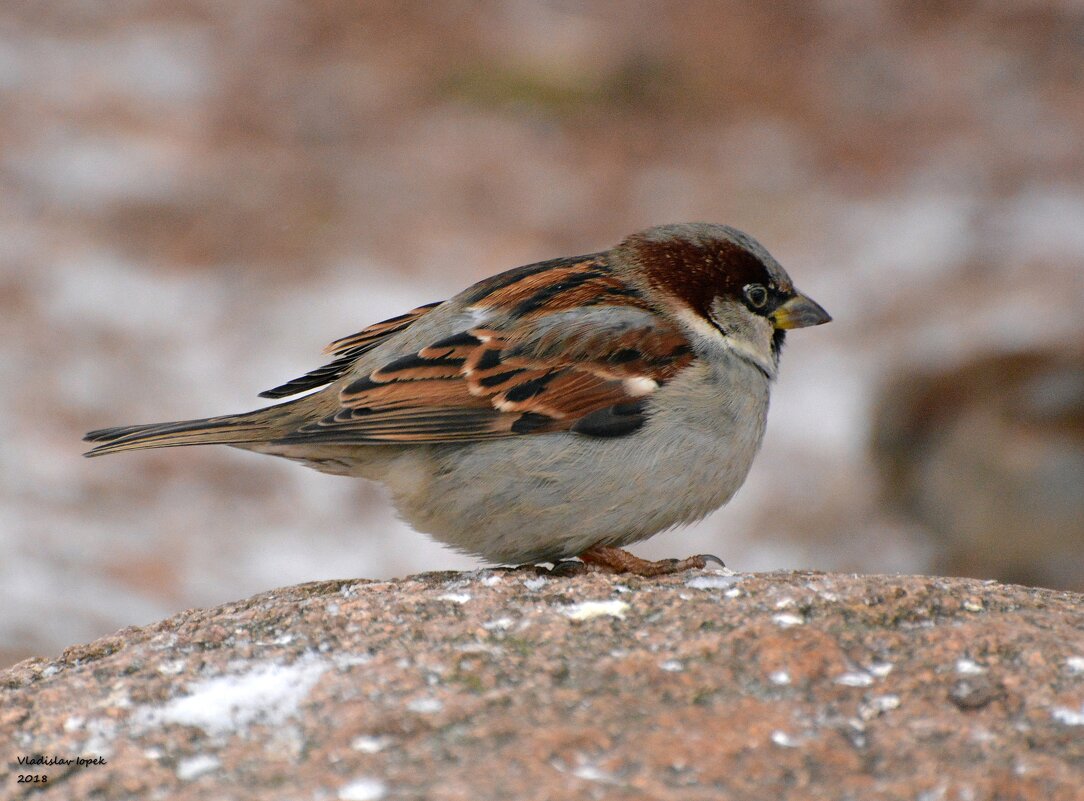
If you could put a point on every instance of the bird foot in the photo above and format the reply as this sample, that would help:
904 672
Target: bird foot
605 559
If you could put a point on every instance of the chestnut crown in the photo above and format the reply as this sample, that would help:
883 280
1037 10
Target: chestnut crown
700 262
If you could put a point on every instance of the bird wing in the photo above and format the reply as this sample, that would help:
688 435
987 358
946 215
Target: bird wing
563 345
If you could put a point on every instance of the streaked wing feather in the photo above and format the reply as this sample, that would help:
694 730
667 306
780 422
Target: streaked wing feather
566 346
368 338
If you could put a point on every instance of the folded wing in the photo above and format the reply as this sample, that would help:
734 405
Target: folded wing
555 350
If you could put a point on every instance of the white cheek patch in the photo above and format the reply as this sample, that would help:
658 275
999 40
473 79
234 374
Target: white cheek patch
639 385
740 347
750 354
698 324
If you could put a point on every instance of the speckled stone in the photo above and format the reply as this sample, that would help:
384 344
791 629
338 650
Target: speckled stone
504 684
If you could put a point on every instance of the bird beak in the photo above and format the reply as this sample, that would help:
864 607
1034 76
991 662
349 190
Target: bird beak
799 312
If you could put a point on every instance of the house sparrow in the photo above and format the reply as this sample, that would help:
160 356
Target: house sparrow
565 408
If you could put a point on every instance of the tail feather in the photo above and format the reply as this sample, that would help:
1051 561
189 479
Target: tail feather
257 426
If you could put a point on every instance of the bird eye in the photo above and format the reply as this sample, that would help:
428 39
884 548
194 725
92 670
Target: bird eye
757 296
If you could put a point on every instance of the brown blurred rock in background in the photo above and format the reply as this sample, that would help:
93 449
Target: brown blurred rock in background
990 458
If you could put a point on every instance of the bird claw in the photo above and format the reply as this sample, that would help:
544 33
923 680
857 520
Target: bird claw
707 557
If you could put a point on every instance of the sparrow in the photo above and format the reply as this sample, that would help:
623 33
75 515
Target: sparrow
561 409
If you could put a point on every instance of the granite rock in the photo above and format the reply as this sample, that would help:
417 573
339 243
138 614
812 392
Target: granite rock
508 684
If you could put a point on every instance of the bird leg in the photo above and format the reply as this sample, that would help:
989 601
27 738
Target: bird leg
616 560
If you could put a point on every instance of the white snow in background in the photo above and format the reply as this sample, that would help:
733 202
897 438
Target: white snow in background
901 241
1044 223
83 171
103 290
148 64
265 693
13 62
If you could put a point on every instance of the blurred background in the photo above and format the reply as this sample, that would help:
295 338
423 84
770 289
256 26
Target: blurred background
196 196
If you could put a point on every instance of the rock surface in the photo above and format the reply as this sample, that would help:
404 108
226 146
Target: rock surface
511 685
